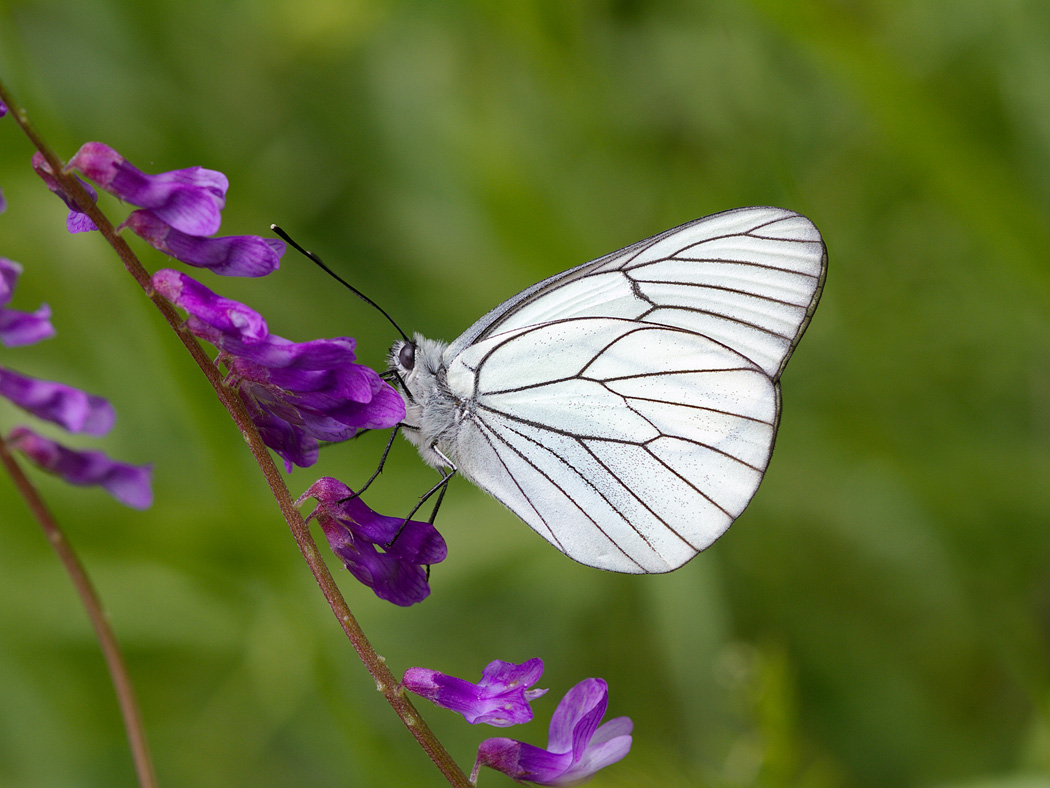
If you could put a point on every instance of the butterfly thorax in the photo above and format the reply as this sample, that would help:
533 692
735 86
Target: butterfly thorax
431 410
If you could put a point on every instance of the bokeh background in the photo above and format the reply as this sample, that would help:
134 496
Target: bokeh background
878 617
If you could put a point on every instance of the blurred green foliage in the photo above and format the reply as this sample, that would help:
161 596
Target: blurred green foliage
880 614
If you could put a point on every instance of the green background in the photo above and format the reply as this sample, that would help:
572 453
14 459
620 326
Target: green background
879 616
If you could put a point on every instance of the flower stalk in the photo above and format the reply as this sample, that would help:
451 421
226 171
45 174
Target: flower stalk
118 669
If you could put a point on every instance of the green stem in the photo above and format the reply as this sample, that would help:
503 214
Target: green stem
385 680
118 669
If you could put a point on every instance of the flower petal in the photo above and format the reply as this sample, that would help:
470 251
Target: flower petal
577 717
25 328
498 699
291 443
353 531
77 221
521 761
611 743
129 484
64 405
390 577
225 314
235 255
415 541
577 747
17 327
190 200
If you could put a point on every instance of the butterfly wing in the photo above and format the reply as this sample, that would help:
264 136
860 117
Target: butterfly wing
626 409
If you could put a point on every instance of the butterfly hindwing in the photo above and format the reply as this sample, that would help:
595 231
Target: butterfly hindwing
631 449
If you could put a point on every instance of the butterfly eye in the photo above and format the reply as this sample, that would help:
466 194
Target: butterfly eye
406 356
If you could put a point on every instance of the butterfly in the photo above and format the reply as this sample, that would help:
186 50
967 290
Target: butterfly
626 409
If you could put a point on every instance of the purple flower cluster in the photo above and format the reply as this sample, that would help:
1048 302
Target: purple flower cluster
578 744
70 408
354 532
178 211
297 393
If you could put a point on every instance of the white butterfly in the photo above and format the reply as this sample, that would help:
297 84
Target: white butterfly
626 409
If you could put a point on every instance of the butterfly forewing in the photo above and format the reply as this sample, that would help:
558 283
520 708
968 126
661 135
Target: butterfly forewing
626 409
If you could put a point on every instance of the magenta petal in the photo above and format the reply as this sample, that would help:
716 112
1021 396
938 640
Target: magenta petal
224 314
381 412
77 221
237 255
522 761
578 716
9 273
611 743
292 444
69 407
189 200
281 353
389 577
499 699
510 674
415 541
25 328
129 484
17 327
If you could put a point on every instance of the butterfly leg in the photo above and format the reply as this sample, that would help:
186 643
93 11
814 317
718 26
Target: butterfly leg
446 474
379 469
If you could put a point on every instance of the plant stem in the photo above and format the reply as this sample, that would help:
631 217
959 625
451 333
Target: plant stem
118 669
376 665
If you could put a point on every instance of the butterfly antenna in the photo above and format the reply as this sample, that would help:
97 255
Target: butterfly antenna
320 264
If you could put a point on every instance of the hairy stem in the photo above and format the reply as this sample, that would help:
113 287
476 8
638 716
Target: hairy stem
381 674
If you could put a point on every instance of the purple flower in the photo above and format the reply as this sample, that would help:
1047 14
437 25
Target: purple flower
3 202
354 531
20 328
577 747
189 200
297 393
68 407
236 255
77 221
228 317
129 484
3 109
499 699
64 405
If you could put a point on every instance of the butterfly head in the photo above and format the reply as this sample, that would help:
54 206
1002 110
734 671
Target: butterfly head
418 367
419 376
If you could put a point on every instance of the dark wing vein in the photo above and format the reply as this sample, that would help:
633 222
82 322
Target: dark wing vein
721 288
495 433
